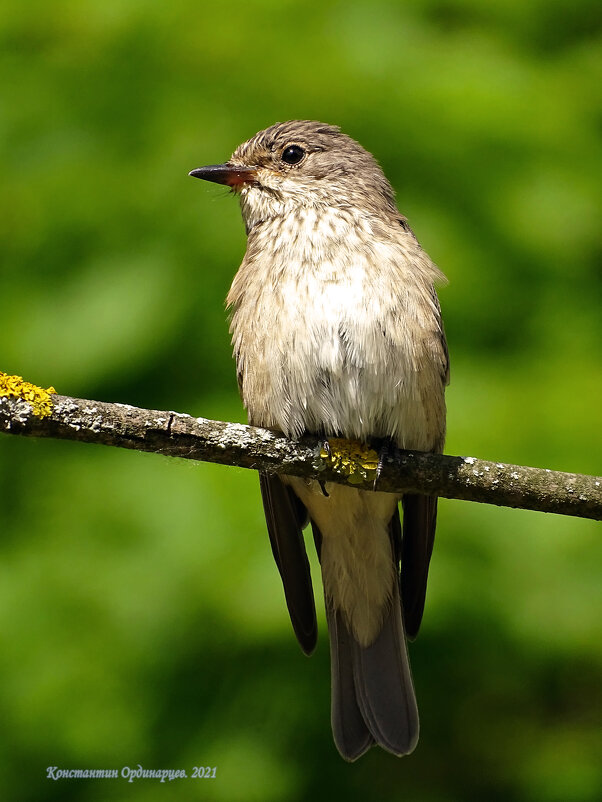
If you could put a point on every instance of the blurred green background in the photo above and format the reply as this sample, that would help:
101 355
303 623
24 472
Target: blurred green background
141 617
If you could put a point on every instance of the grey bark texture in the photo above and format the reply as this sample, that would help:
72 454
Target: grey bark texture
176 435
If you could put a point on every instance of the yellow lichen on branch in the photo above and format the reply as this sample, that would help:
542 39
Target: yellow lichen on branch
15 387
351 459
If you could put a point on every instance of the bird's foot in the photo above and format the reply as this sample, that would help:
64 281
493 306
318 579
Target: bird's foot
386 450
325 453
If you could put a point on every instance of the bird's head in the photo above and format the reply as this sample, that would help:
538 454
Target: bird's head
301 163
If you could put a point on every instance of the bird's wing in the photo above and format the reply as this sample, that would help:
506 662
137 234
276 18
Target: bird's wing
285 517
443 340
419 520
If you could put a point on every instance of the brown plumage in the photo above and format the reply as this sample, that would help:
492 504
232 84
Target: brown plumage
337 331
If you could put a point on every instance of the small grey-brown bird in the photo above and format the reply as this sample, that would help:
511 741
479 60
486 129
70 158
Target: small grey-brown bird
337 332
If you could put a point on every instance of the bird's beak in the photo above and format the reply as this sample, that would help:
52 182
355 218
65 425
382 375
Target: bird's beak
233 175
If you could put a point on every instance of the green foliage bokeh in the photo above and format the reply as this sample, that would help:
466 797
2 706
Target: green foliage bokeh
141 617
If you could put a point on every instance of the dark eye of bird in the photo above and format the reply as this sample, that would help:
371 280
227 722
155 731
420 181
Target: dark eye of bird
293 154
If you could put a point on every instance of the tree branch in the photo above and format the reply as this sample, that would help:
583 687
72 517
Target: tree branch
176 435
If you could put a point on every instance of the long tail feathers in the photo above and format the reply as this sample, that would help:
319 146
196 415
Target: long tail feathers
351 734
373 698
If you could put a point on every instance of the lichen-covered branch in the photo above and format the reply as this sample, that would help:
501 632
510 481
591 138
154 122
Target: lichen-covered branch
176 435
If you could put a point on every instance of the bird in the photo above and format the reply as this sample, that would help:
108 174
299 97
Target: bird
337 332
